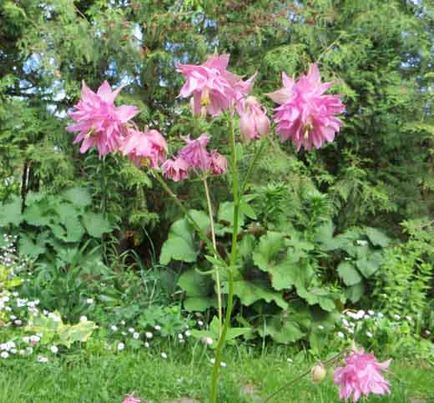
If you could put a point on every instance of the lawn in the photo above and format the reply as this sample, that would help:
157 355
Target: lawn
108 377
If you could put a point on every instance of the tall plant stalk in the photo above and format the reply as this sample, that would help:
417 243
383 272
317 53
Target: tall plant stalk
232 264
217 270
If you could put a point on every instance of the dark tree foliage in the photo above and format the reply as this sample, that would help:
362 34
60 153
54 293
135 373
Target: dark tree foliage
379 171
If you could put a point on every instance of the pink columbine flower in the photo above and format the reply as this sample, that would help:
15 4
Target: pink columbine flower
361 375
254 123
306 115
218 163
214 89
176 169
195 153
145 148
131 399
99 122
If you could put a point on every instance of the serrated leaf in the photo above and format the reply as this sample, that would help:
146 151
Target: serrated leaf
249 293
69 334
267 250
226 214
377 237
199 304
10 212
287 327
369 264
177 248
349 274
194 283
78 196
318 296
291 272
324 236
37 215
28 247
96 225
355 292
201 219
198 289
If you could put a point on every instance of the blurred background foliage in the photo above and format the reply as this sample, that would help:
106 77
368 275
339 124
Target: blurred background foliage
377 175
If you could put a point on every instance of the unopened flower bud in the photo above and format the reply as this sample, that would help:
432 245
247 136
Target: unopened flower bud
318 373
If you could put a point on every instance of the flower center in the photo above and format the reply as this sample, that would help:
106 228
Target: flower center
204 100
307 128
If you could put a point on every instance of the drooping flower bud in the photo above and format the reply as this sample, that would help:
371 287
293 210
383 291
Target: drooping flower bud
218 163
318 373
176 169
254 123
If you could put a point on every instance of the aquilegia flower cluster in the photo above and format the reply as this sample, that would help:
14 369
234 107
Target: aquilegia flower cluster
304 115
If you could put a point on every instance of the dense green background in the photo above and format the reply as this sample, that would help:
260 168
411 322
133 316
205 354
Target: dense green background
378 173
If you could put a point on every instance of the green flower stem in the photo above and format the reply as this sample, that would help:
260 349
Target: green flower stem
302 375
252 165
217 272
232 265
199 230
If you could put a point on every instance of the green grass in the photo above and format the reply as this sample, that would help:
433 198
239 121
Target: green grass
106 377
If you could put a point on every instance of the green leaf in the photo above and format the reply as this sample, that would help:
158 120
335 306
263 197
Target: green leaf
348 273
226 214
291 271
71 229
287 327
324 236
199 304
28 247
37 214
10 212
377 237
201 219
320 296
69 334
96 225
249 293
355 292
246 209
80 197
369 264
267 250
194 283
198 289
177 248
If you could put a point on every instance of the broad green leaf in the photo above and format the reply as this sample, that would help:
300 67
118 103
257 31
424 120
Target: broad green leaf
177 248
195 284
226 214
355 292
291 272
201 219
324 236
198 289
199 304
348 273
249 293
287 327
69 334
96 225
29 247
80 197
10 212
182 229
268 248
246 209
320 296
369 264
377 237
